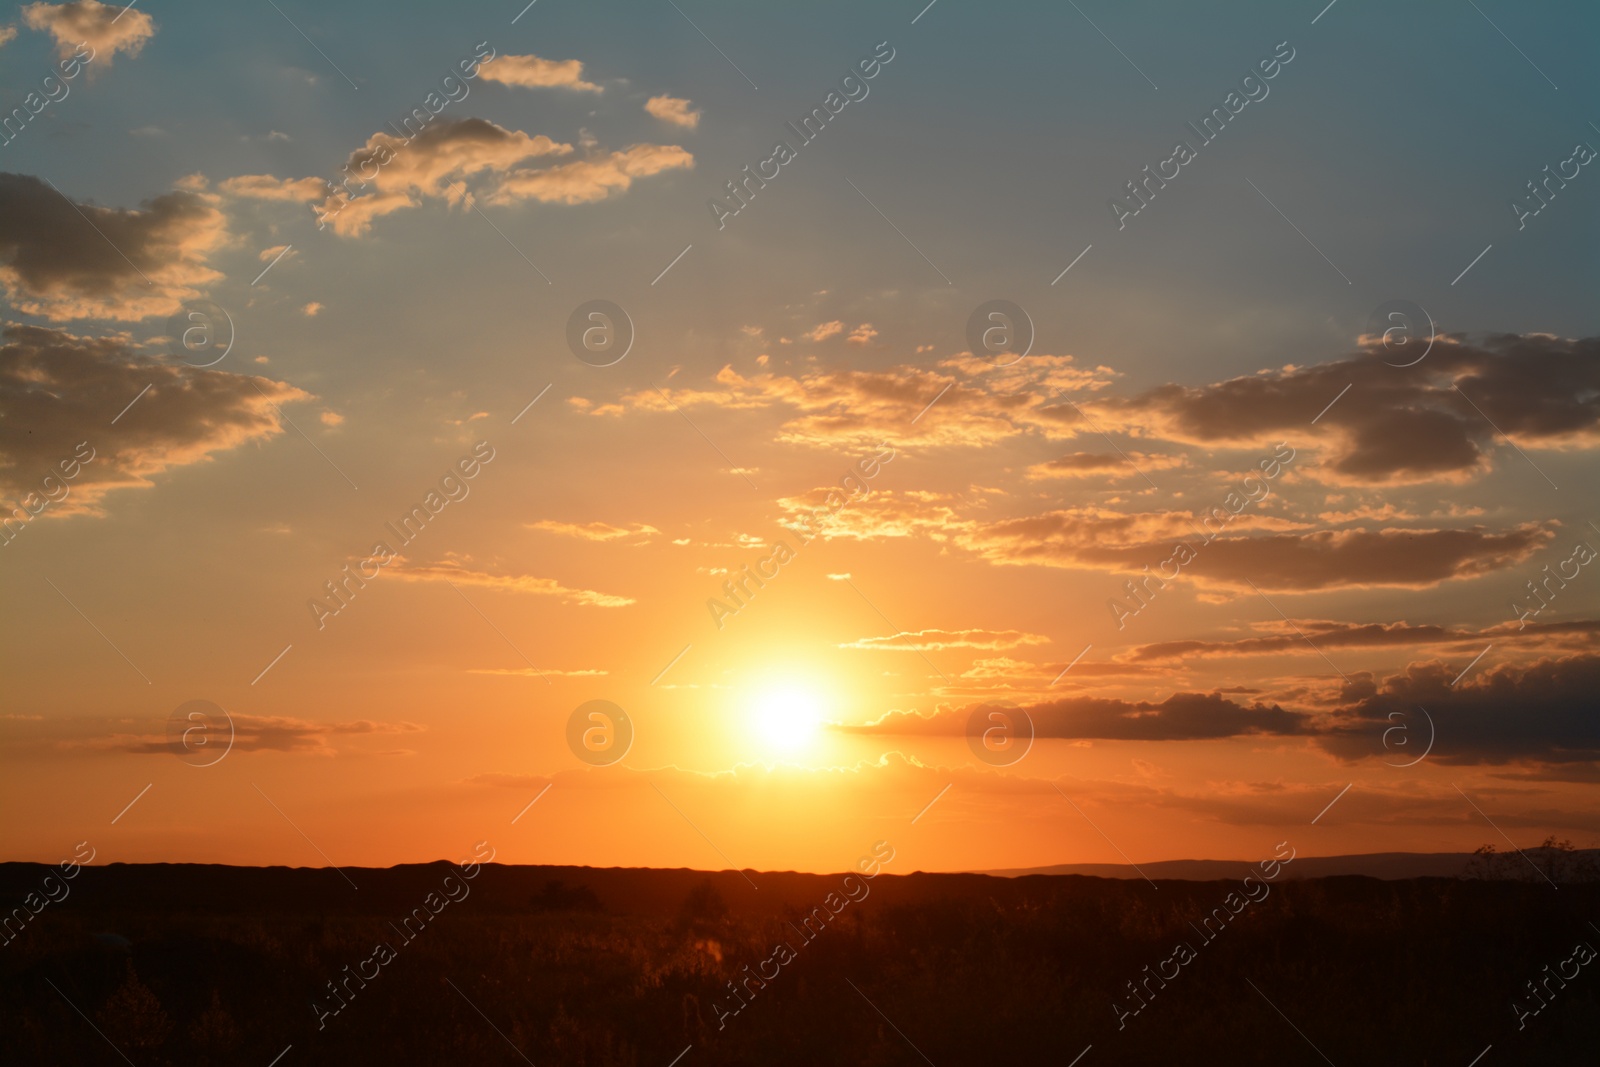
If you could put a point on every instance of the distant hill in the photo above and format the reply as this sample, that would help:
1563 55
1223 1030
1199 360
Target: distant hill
1390 866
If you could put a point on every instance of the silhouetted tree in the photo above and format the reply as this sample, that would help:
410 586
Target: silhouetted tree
1558 860
703 906
133 1016
214 1033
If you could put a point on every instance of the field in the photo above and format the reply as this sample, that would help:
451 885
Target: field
622 967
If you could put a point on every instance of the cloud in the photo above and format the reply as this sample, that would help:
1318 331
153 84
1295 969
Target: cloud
142 263
311 309
276 733
593 531
1093 464
392 173
107 28
57 390
884 513
1434 422
1093 538
1012 674
7 35
977 405
1542 711
1275 553
434 163
862 334
1429 424
933 640
584 181
538 672
451 571
673 109
1331 634
534 73
1181 717
266 187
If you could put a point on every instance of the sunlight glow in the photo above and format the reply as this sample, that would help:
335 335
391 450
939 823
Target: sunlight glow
787 718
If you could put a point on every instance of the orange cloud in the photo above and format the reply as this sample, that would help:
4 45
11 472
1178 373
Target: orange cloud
451 571
584 181
982 406
593 531
882 513
392 173
673 109
266 187
534 73
538 672
432 164
107 28
934 640
1092 464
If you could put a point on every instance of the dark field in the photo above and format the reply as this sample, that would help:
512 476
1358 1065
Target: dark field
219 965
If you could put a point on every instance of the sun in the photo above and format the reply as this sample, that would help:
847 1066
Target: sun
787 718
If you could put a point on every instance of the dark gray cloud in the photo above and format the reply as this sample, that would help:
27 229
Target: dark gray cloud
58 391
1543 712
274 733
1091 538
1181 717
142 263
1411 424
1329 634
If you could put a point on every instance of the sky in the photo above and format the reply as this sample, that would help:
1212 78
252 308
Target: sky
1028 435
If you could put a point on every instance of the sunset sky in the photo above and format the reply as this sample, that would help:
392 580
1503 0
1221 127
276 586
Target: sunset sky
934 530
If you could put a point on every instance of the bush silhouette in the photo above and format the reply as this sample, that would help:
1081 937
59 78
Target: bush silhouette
133 1017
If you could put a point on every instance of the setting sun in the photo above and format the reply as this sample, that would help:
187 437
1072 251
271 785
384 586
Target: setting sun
786 718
